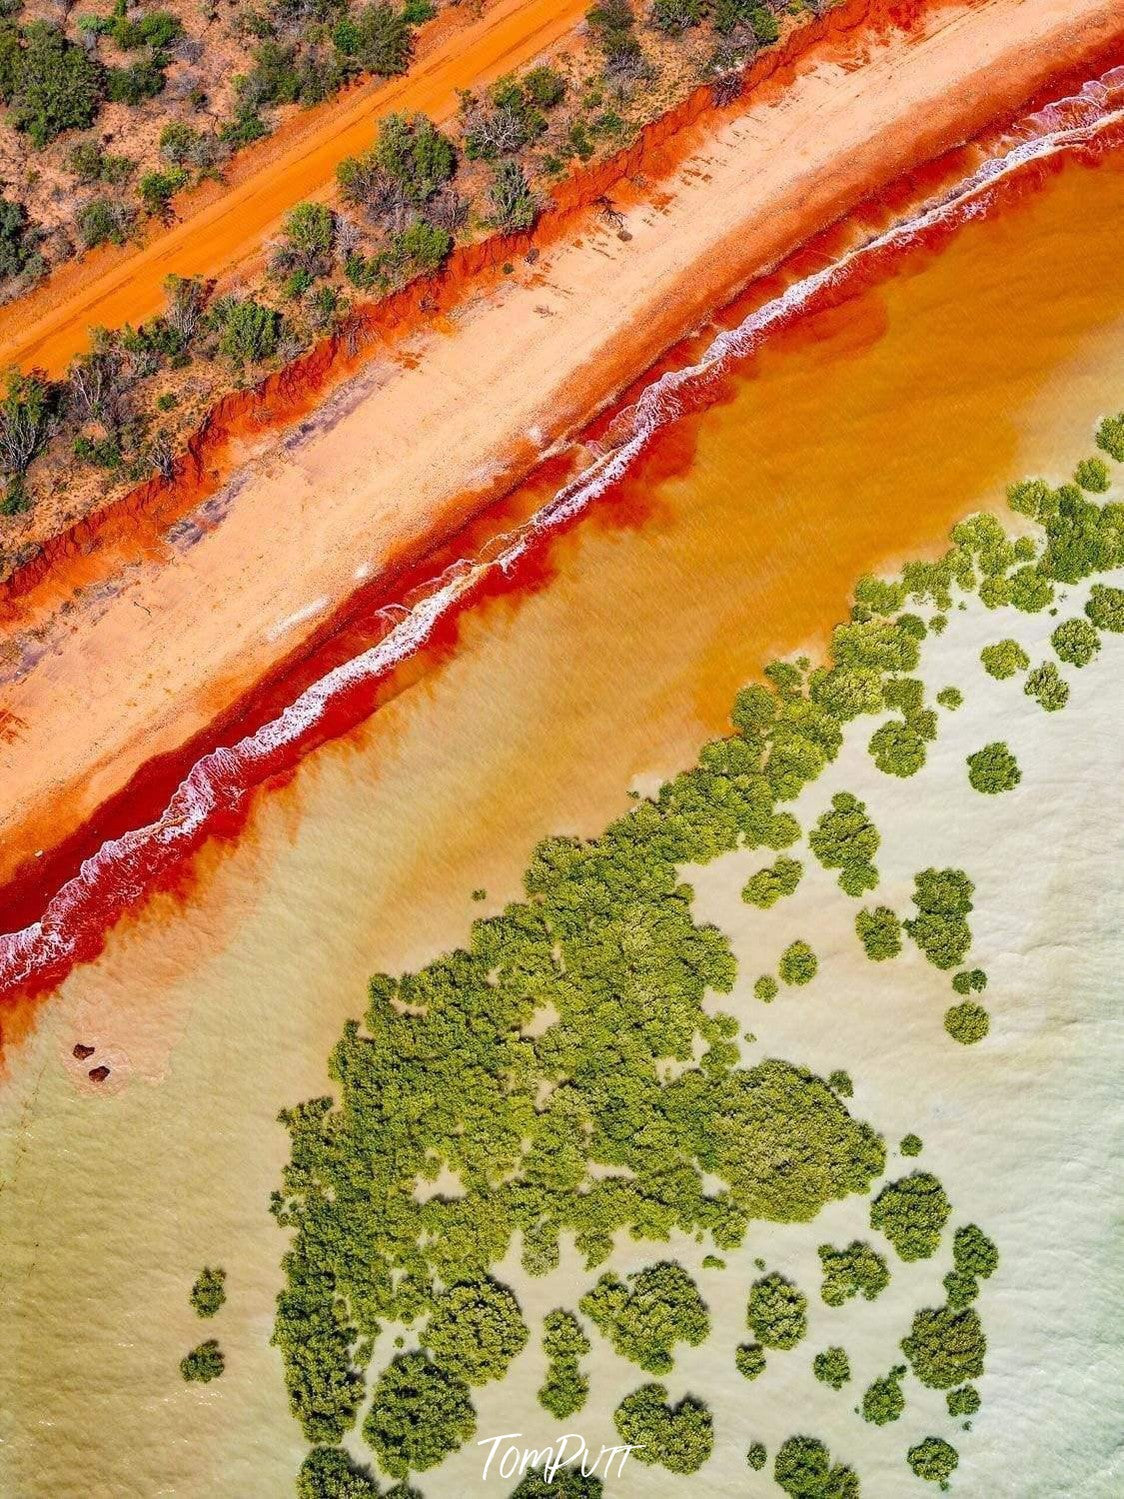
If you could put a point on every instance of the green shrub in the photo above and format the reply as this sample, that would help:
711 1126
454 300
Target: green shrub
757 1457
880 933
832 1367
1046 686
156 29
772 883
415 155
204 1363
964 1401
419 1414
17 239
897 749
376 39
993 769
960 1289
514 207
1004 659
644 1321
934 1460
565 1344
209 1291
883 1400
777 1312
136 83
946 1346
749 1360
804 1470
90 163
536 1483
1106 607
1092 475
612 27
476 1330
840 1082
157 189
967 1022
911 1212
856 1270
846 839
545 87
1110 436
943 898
950 698
27 411
677 1437
676 16
798 964
310 231
330 1473
104 221
50 84
766 27
970 981
910 1145
766 988
1076 642
973 1253
248 330
423 247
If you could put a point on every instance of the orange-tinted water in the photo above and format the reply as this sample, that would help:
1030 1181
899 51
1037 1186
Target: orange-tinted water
849 445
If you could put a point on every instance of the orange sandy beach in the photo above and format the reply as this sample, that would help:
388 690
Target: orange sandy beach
162 646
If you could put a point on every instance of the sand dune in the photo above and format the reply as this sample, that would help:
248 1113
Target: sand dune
157 651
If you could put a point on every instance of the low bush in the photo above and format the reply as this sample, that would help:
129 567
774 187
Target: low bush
883 1400
967 1023
933 1459
677 1437
798 964
832 1367
209 1291
773 883
203 1364
419 1414
912 1212
1004 659
1076 642
946 1346
880 933
777 1312
804 1470
856 1270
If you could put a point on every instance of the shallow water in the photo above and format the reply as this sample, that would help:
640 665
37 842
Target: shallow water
848 445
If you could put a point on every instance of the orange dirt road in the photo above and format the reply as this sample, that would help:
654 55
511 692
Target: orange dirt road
45 329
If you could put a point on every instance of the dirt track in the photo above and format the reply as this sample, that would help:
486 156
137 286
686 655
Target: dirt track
218 233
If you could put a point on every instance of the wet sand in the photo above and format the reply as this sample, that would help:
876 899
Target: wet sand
217 1013
312 518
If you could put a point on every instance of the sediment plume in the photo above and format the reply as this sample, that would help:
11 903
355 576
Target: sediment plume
216 792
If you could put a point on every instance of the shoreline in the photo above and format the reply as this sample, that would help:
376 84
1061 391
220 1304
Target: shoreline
284 396
1000 8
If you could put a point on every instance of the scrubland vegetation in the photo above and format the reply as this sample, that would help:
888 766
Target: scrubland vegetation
123 411
632 1113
